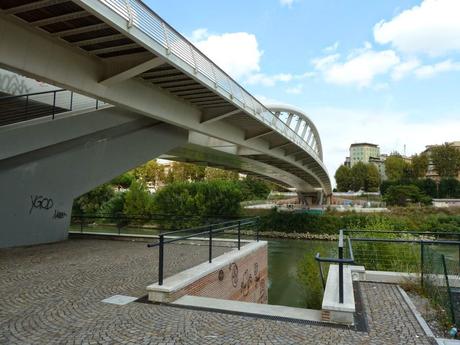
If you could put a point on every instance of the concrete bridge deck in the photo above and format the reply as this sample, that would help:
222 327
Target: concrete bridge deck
51 294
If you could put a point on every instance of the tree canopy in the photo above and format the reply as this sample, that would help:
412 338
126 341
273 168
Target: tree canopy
446 159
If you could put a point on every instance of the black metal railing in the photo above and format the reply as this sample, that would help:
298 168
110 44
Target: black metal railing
431 256
210 230
340 261
17 108
154 222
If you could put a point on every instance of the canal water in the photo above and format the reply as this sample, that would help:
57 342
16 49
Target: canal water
293 273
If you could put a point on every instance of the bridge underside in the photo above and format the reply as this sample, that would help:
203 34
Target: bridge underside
162 103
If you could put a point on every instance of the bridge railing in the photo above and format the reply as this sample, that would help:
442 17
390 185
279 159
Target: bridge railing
207 230
29 106
139 15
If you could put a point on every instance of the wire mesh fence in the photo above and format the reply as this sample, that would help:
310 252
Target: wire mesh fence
440 281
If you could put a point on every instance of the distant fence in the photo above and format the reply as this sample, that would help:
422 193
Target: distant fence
149 224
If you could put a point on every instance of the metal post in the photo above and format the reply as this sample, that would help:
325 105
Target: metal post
160 260
239 235
341 267
71 100
257 229
97 104
54 103
340 275
448 288
321 274
422 262
210 243
27 105
81 225
459 251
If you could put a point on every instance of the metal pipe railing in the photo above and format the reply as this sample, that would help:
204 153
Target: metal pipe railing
340 261
210 230
42 104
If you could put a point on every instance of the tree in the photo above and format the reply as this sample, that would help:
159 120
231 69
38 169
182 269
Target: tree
137 200
446 159
372 181
254 188
419 165
151 171
401 195
220 174
343 178
91 202
124 180
181 172
359 173
449 188
394 167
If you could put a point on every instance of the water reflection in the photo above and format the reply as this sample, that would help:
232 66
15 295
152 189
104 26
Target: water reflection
293 273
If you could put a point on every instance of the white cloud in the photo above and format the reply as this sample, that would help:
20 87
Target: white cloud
271 80
404 68
295 90
268 80
391 130
236 53
427 71
287 3
433 28
332 48
360 68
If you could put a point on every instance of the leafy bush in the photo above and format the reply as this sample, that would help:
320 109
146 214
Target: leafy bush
91 202
217 198
401 195
138 201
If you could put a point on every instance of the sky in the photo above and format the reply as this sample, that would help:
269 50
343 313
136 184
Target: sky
385 72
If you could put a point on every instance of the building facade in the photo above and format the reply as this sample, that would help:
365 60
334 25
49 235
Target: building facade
367 153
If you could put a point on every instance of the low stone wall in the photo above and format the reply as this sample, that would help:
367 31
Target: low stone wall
237 275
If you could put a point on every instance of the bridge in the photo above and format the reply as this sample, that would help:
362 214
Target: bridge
119 86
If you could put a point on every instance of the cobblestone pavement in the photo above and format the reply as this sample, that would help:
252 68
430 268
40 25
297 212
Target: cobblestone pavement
51 294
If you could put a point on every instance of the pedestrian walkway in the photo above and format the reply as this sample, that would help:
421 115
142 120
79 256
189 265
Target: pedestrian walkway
52 294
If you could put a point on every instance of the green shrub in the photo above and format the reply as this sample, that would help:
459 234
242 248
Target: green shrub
138 201
401 195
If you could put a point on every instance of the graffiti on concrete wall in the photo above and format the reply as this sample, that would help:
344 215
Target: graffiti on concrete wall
39 202
43 203
13 84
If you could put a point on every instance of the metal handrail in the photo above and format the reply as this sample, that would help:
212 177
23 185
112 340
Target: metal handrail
210 231
404 232
138 14
32 94
340 260
40 107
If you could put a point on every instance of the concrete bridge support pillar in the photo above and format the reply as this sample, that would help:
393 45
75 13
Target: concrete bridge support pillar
44 166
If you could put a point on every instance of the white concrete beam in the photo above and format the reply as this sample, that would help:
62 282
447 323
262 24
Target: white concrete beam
132 72
222 116
256 136
61 18
32 6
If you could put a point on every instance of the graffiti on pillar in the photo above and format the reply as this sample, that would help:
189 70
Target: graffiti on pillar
40 202
13 84
59 214
43 203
